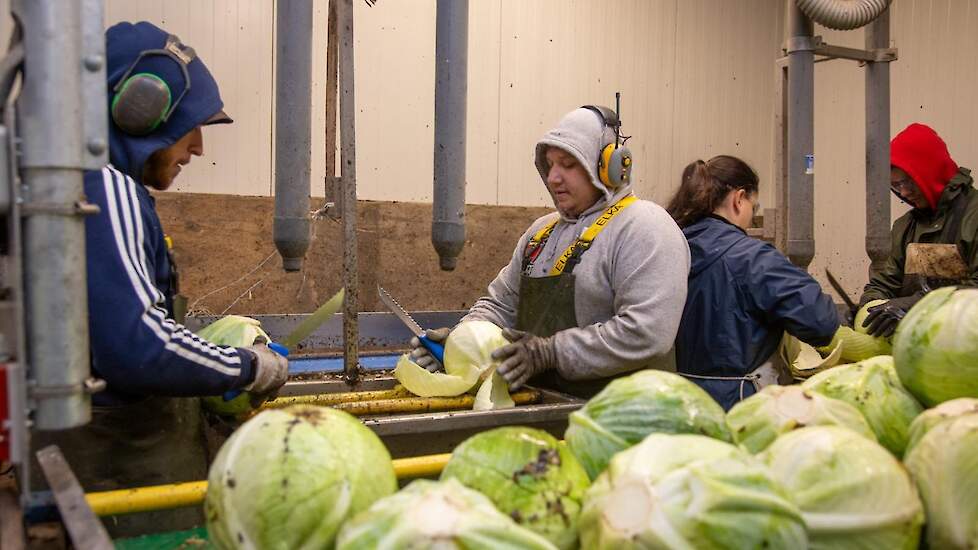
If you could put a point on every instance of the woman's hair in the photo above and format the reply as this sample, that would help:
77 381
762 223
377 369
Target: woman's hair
706 184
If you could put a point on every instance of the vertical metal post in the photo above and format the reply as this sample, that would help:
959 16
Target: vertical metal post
52 116
293 129
800 246
878 145
348 171
780 171
333 185
451 83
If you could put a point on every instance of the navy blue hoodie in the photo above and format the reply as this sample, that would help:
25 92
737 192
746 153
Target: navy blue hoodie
135 345
742 295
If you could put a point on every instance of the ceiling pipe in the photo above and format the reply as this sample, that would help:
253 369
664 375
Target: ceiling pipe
451 85
801 138
878 145
293 130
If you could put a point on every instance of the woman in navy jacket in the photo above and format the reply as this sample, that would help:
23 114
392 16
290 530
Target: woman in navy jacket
743 293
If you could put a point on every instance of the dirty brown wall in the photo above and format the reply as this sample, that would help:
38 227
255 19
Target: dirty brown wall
228 262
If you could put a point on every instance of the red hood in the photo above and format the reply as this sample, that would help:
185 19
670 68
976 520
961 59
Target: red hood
922 154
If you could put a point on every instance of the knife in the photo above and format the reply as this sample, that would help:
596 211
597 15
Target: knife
436 349
840 291
301 332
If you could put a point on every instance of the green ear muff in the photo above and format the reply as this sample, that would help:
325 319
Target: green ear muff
143 101
141 104
615 160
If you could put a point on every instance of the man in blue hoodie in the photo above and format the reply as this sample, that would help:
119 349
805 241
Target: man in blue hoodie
142 431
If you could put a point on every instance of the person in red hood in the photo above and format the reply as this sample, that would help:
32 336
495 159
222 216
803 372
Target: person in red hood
945 211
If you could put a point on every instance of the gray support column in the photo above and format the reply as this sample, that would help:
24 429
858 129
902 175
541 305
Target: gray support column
348 198
451 78
293 129
878 145
52 116
801 138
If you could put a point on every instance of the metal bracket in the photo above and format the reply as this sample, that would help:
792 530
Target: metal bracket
80 208
84 527
88 387
829 52
800 44
881 55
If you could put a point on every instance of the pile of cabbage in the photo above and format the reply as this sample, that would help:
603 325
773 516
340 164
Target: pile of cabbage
469 366
850 459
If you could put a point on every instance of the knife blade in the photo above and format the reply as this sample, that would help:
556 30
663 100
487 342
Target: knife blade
313 321
436 349
301 332
840 291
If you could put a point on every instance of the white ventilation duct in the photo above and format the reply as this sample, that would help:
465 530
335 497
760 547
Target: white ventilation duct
843 15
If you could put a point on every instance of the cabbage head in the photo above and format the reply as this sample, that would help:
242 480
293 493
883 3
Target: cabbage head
467 363
437 515
289 478
758 420
936 346
529 476
688 492
932 417
873 387
630 408
944 463
853 494
237 331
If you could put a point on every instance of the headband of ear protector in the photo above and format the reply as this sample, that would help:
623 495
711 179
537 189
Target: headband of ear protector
143 101
615 162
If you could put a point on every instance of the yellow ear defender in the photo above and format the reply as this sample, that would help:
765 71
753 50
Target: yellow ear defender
615 161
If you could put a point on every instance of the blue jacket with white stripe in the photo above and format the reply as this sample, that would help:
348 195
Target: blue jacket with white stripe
135 345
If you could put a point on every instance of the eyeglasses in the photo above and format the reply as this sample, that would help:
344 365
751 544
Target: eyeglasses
905 183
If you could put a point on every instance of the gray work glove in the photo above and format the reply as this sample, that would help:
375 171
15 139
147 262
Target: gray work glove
526 357
421 355
271 372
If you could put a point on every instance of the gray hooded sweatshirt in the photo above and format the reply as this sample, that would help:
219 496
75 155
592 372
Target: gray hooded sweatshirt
630 286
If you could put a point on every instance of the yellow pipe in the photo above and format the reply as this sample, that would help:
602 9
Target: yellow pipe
364 407
178 495
327 399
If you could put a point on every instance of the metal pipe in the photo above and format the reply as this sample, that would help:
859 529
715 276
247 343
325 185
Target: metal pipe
801 138
397 405
451 84
51 116
293 129
348 199
179 495
878 145
843 15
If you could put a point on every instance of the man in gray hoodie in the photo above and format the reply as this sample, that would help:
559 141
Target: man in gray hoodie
595 290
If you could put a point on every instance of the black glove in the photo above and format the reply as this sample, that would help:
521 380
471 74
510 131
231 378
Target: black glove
848 318
525 357
422 356
884 318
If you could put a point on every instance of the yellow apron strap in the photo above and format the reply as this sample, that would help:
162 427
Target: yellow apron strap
585 240
544 232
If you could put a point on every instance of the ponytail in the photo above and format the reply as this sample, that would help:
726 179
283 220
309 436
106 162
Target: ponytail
704 185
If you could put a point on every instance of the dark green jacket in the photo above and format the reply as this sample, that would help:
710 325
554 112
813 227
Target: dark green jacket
928 226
